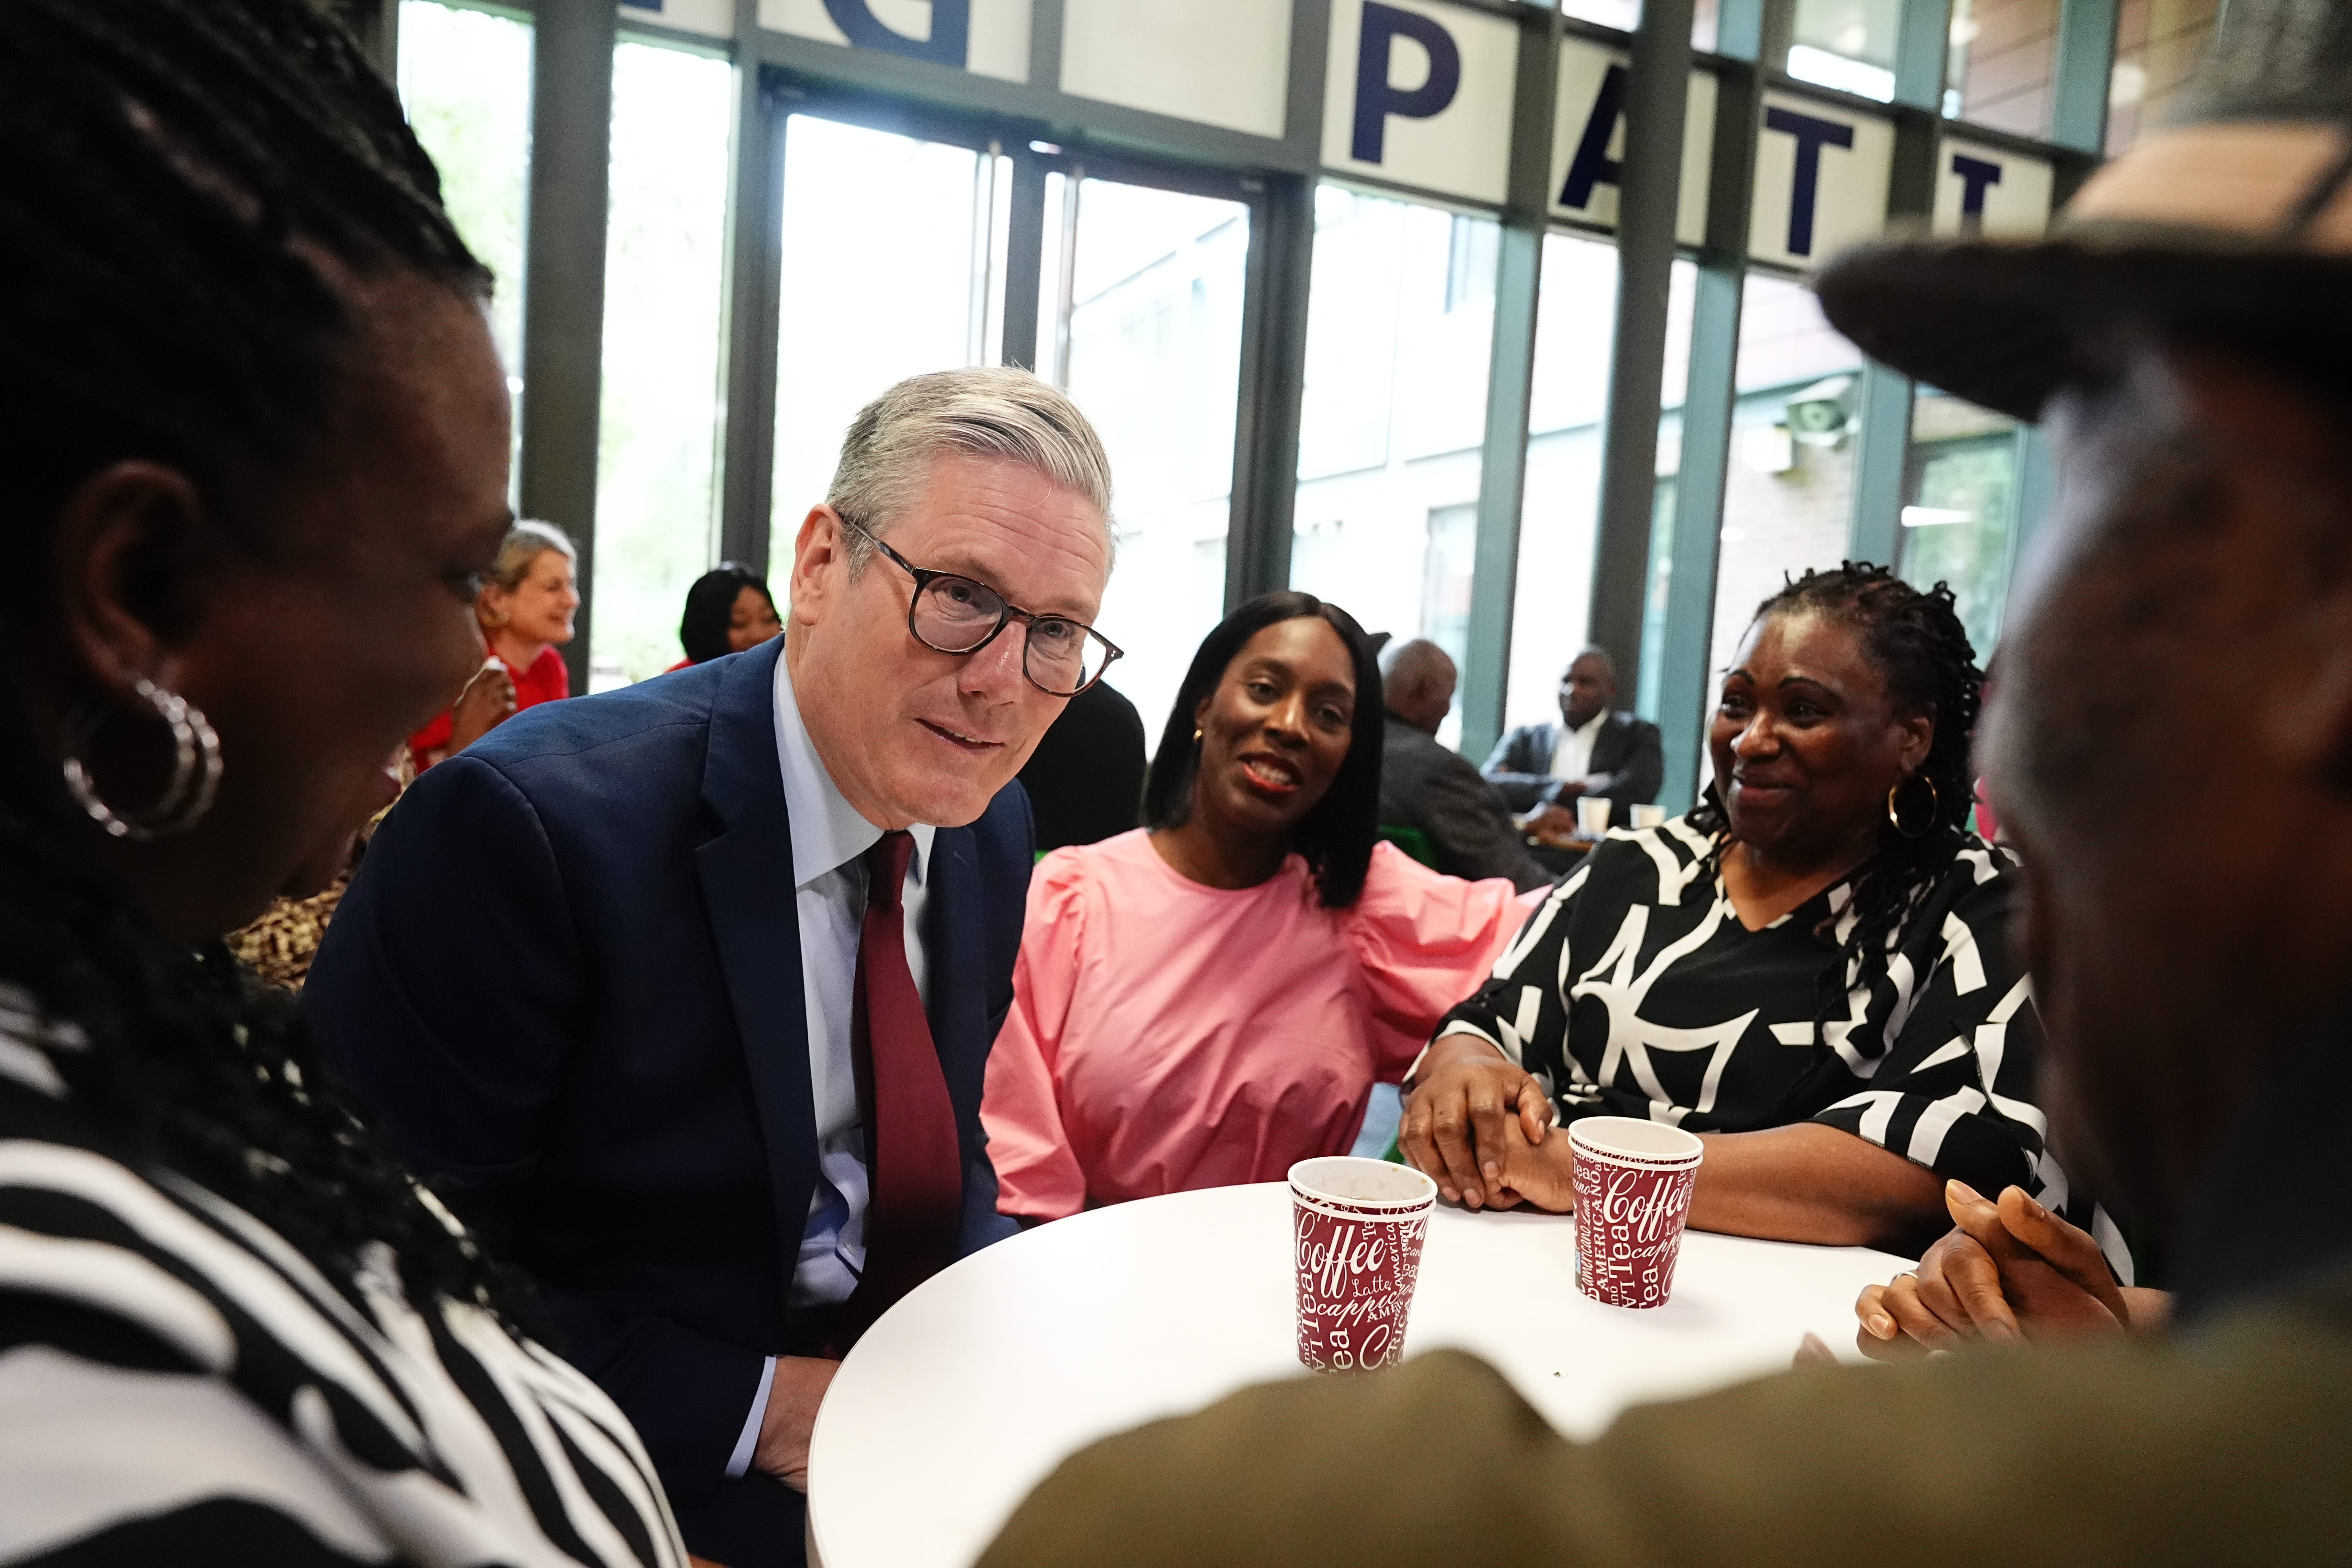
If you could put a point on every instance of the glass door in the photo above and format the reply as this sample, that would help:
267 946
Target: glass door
893 265
1140 297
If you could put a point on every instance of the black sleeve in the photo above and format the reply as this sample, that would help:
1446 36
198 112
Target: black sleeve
1464 818
1954 1091
1505 768
1520 1011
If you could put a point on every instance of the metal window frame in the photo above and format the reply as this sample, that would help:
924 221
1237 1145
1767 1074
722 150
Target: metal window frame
565 221
1510 383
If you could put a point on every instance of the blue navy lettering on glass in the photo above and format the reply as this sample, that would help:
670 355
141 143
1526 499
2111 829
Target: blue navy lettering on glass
1804 191
1592 165
1376 98
948 45
1976 176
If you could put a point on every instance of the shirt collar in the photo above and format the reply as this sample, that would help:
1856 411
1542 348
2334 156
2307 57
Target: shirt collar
827 831
1591 728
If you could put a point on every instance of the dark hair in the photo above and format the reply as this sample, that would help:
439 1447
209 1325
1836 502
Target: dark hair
175 170
710 605
1336 837
1918 645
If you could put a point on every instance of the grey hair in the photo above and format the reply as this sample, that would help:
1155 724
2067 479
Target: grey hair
985 411
525 542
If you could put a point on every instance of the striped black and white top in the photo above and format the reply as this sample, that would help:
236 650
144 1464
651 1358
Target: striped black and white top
178 1384
1635 991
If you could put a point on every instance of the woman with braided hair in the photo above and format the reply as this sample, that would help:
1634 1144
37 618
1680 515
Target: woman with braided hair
255 406
1810 970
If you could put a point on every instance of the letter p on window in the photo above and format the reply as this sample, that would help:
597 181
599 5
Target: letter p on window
1377 97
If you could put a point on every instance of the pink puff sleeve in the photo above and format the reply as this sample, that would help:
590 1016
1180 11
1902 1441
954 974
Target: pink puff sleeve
1424 941
1037 1176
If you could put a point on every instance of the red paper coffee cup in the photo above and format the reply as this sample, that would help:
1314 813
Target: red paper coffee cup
1356 1230
1633 1196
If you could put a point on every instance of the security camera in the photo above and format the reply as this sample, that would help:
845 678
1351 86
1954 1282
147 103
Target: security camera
1822 413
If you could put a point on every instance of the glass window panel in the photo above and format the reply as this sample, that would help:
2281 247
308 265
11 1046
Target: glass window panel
1846 44
465 80
891 269
1959 506
1608 13
1789 488
1706 20
1400 330
1627 14
1151 349
1575 338
2157 44
2003 55
658 447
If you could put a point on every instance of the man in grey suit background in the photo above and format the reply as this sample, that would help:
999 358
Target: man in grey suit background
1594 751
1426 786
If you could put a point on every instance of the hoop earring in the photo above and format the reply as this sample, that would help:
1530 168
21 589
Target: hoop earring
1196 737
195 767
1934 806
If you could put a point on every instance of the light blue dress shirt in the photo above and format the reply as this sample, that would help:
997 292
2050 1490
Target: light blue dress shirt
829 894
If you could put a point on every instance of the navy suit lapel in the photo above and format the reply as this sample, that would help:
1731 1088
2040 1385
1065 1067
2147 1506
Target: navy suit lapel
748 893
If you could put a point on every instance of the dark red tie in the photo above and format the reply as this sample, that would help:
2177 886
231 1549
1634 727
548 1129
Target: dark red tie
915 1200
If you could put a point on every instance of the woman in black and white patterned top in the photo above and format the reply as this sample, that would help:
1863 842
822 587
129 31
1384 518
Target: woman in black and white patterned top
256 451
1812 970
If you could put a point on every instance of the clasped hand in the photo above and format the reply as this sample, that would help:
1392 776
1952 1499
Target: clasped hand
1480 1125
2008 1271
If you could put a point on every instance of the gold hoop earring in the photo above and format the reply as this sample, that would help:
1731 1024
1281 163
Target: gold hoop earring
1196 737
1934 806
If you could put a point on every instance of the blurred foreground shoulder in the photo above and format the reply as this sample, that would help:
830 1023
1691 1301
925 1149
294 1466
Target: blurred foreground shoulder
2227 1446
1427 1464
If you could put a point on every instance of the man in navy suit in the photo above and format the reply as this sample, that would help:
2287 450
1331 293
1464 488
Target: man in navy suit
682 996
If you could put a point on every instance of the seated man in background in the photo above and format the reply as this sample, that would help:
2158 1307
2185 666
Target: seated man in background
2187 333
682 996
1591 752
1430 789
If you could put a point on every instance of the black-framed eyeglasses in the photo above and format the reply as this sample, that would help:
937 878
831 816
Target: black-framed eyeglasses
950 613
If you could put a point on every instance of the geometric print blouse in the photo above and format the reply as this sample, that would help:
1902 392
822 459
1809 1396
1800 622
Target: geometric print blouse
1634 991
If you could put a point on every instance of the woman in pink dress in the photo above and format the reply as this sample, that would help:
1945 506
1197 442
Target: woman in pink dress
1210 999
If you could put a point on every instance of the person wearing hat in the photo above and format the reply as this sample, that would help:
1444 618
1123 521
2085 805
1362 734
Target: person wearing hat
2184 334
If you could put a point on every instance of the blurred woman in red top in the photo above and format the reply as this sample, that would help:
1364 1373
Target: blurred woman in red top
525 608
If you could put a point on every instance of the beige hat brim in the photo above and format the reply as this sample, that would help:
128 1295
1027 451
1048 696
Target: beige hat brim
2219 231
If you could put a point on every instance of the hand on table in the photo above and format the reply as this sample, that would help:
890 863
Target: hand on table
1466 1093
793 1400
1542 1174
2009 1270
1551 822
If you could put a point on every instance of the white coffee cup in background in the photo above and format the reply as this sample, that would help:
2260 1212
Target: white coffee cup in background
1592 817
1649 815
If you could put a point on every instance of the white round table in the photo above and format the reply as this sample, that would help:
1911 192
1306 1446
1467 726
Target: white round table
970 1391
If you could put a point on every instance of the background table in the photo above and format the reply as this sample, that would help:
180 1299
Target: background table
971 1389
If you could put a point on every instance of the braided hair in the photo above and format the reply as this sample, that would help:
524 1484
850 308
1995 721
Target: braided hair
1915 640
185 179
